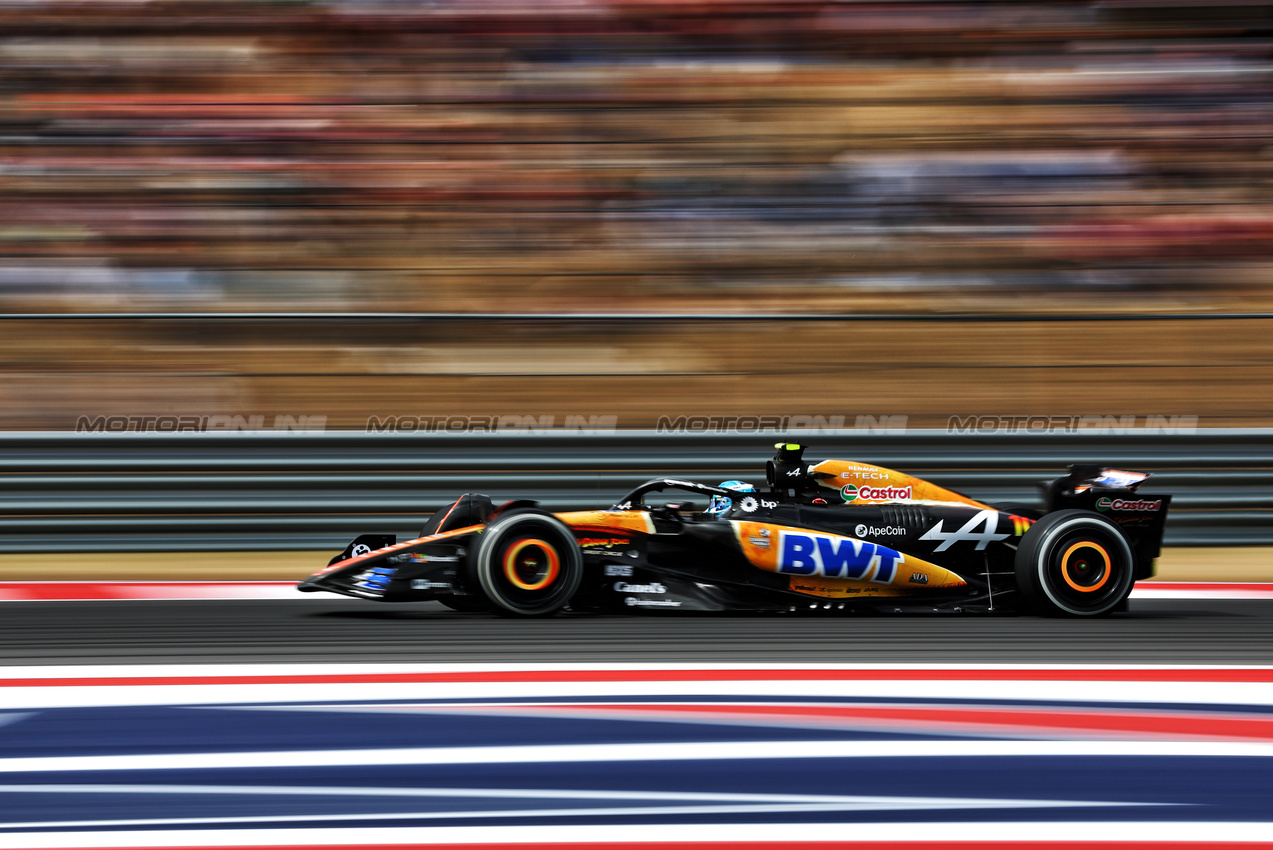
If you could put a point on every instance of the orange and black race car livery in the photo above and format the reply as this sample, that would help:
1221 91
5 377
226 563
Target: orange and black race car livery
832 536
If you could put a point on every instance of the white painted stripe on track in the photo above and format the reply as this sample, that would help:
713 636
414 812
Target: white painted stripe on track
642 752
1025 833
1213 693
56 671
524 794
902 804
172 591
1201 590
115 591
963 684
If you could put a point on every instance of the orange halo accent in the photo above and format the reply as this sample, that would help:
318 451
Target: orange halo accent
1066 573
510 564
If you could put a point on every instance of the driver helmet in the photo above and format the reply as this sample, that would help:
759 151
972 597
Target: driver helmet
720 505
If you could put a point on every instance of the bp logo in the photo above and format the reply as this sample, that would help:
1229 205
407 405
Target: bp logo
849 492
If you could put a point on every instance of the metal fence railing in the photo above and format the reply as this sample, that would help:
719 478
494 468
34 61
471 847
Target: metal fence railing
315 490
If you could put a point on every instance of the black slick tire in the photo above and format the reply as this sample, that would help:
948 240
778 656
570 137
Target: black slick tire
527 564
1074 563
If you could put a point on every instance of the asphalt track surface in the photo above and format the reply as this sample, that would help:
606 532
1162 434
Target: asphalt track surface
332 629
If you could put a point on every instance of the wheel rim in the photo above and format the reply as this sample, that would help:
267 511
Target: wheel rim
531 564
528 564
1086 566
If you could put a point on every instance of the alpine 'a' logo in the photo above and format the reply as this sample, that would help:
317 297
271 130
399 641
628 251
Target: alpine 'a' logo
987 520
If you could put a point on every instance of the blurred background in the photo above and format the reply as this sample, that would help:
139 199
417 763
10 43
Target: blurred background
1018 164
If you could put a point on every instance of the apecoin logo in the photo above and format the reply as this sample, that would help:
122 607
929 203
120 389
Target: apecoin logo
864 530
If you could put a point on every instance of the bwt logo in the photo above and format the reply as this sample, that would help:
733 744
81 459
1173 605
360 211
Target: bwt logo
837 557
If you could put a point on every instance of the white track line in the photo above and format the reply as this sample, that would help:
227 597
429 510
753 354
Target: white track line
642 752
106 591
978 834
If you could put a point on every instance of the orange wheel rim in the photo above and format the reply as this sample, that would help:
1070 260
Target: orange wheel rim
1065 566
511 563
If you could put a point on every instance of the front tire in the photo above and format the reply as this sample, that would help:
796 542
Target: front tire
1074 564
527 564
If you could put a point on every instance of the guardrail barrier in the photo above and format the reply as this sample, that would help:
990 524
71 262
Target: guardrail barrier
316 490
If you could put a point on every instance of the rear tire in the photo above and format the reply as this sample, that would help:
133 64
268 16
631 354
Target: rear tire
527 564
1074 564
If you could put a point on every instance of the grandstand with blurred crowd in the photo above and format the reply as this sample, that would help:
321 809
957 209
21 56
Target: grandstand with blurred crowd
610 156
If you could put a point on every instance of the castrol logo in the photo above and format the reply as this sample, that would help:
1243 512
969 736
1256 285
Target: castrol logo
1107 504
867 493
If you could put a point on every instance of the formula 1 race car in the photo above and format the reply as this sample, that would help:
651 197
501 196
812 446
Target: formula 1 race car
836 535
